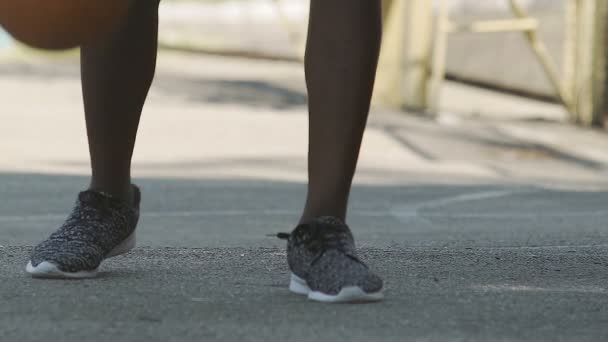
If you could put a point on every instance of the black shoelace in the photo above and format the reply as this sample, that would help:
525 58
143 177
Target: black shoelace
320 238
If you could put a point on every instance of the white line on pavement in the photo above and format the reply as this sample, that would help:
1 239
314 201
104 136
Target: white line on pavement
526 288
408 212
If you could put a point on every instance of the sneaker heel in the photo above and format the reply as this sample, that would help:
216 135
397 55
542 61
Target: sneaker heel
298 285
125 246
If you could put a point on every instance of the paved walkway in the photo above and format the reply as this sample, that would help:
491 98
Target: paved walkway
484 229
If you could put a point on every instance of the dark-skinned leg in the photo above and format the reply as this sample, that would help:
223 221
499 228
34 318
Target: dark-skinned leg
116 75
341 59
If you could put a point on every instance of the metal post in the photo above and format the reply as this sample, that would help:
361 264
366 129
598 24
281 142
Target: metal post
600 64
589 81
403 73
545 58
439 56
569 55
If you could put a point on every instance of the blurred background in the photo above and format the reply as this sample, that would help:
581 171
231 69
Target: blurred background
501 89
501 93
480 194
487 44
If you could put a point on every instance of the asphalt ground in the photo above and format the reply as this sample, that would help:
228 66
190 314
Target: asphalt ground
481 230
464 263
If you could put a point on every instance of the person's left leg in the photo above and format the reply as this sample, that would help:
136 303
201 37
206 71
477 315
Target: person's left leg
341 59
117 71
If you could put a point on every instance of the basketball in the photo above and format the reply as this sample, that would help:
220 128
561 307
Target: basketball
60 24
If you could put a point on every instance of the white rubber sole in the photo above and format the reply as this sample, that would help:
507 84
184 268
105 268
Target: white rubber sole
350 294
49 270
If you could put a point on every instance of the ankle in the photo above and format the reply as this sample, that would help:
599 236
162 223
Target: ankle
332 201
123 193
309 216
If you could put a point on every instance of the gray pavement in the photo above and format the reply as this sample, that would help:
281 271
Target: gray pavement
433 294
486 229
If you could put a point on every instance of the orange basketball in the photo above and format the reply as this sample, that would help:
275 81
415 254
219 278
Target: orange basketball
60 24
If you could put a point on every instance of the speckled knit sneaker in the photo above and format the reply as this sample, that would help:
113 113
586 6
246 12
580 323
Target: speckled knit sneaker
324 264
98 228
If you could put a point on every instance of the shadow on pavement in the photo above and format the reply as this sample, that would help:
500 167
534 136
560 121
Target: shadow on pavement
254 93
241 213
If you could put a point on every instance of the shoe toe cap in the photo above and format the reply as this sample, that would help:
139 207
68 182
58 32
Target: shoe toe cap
332 281
370 283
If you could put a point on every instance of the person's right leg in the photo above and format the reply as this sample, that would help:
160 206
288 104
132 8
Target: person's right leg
117 72
116 75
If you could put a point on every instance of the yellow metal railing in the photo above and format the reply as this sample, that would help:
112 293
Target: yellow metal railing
413 61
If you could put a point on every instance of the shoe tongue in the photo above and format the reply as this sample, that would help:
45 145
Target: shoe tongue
96 198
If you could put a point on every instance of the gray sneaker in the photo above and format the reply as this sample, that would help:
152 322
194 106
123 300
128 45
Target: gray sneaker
324 264
98 228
